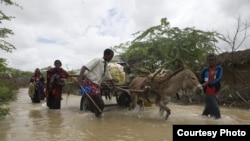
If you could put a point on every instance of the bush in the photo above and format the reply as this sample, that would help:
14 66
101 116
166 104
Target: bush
7 93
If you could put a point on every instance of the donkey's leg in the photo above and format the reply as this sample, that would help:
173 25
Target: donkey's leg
162 102
161 111
158 103
163 108
141 103
168 112
133 101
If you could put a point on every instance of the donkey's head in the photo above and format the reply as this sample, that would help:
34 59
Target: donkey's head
191 81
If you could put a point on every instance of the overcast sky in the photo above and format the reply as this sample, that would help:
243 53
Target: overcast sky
76 31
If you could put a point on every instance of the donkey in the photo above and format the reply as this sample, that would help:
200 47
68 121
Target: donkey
158 90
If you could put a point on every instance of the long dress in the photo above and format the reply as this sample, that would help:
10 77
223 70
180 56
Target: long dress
38 84
55 82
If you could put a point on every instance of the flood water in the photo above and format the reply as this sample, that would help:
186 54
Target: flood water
29 122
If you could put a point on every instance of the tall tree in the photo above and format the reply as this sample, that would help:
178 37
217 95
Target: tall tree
170 47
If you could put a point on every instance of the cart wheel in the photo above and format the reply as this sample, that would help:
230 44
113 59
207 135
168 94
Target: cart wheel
123 99
84 105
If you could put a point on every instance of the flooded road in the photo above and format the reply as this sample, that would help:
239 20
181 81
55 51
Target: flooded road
29 122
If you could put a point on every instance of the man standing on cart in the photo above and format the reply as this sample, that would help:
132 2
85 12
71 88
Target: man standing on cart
90 78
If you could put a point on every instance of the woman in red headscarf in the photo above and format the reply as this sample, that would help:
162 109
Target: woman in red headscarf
56 78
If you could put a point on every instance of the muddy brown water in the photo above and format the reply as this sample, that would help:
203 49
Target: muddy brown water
29 122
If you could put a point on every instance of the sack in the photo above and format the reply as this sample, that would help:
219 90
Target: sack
117 75
93 88
122 78
31 90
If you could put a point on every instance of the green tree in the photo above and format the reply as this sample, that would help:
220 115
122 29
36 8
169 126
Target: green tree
7 83
169 47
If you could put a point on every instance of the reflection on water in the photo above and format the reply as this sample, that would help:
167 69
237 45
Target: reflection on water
30 122
35 114
54 124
